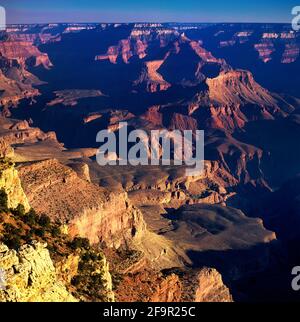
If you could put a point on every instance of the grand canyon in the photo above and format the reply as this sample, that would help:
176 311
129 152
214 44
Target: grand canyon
71 230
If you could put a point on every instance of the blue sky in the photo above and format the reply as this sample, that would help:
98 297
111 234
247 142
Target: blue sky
26 11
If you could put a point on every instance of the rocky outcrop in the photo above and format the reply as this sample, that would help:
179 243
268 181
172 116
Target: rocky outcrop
16 82
244 162
89 276
22 51
183 122
20 132
82 170
169 290
236 88
89 210
28 275
124 50
107 281
136 45
211 288
265 50
205 55
153 115
67 268
151 79
10 182
268 46
13 91
204 285
234 98
291 53
40 37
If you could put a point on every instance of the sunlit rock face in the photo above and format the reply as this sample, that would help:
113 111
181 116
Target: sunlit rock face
10 182
89 211
29 276
16 82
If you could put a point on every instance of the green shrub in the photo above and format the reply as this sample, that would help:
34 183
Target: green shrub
44 221
89 256
31 217
40 232
116 280
55 231
29 236
3 201
79 242
11 229
19 211
76 280
12 241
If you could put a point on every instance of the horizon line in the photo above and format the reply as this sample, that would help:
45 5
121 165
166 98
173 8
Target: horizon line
148 22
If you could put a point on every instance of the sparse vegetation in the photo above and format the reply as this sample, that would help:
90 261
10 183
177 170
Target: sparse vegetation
89 281
12 241
18 227
117 278
3 201
31 218
5 164
45 221
79 242
19 211
55 231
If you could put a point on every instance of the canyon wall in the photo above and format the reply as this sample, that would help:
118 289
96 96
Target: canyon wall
88 210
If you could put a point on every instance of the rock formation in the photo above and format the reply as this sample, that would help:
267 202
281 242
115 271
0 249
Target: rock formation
90 211
151 79
22 51
16 82
10 182
205 285
28 275
234 98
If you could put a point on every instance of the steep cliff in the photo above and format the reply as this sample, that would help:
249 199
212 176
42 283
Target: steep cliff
89 210
10 182
28 275
6 151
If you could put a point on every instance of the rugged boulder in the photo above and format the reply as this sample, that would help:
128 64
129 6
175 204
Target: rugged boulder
28 275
